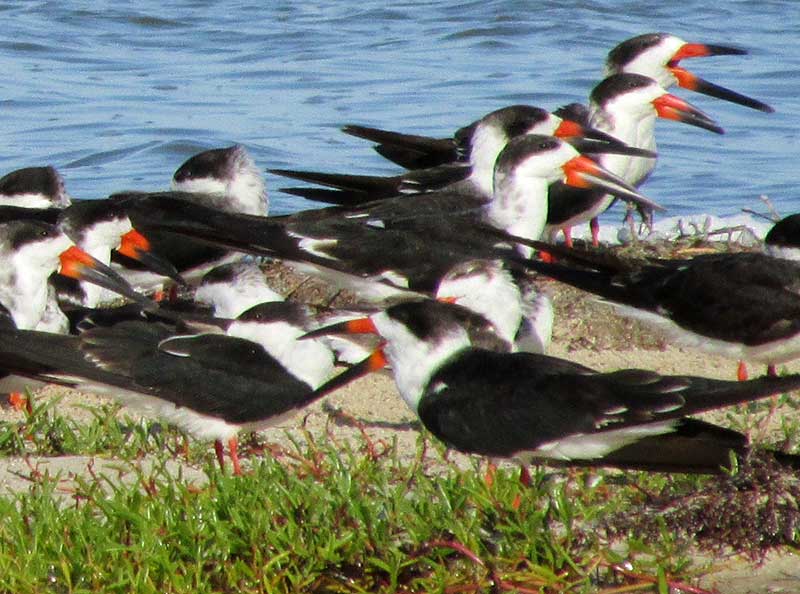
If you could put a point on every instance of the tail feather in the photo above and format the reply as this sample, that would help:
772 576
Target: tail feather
374 185
597 282
413 160
408 150
358 189
695 447
705 394
329 196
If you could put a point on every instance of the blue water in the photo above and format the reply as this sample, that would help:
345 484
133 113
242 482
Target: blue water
117 97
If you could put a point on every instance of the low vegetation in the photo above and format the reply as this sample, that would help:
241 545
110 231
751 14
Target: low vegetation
328 516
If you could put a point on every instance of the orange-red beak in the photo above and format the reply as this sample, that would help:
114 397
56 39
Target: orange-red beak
671 107
136 246
687 80
375 362
355 326
77 264
702 50
583 172
591 140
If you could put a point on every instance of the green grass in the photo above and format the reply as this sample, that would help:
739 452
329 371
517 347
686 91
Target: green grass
327 516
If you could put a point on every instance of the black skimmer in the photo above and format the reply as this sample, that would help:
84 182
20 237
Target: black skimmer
232 289
627 106
467 145
98 227
211 385
658 55
470 168
34 187
783 240
391 247
745 306
519 309
32 251
534 407
35 193
226 179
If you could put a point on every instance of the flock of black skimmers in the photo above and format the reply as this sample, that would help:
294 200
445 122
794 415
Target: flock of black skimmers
446 261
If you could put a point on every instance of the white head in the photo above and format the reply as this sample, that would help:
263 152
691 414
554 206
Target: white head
523 171
277 326
228 174
32 252
658 56
234 288
487 288
420 337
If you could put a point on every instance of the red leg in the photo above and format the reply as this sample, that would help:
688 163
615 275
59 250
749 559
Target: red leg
772 370
567 236
524 476
233 447
168 294
741 372
594 226
219 449
491 471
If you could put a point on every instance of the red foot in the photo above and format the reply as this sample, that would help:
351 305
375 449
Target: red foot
20 402
772 370
169 295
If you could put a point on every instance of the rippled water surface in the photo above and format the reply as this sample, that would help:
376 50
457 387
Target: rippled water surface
117 97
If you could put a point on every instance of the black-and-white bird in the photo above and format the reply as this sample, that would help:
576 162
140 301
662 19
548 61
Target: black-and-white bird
658 55
625 105
783 239
34 187
744 306
233 288
537 408
467 168
514 302
395 247
99 227
32 251
226 179
211 385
